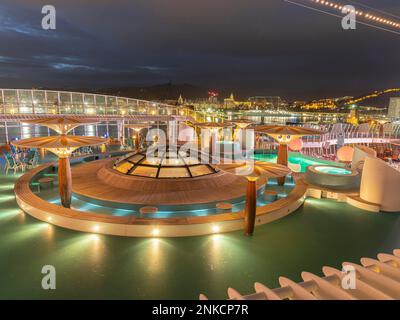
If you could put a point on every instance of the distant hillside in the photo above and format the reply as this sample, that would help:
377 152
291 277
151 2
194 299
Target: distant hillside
158 92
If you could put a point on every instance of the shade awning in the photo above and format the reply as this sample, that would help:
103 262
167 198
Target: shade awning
61 141
63 124
255 169
287 130
137 126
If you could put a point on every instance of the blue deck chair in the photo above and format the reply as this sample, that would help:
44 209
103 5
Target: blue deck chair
12 164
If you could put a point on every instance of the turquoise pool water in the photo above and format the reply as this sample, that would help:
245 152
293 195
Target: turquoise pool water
52 196
296 160
332 170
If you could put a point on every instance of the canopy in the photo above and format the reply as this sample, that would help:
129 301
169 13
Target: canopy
137 126
255 169
213 125
285 134
62 125
61 145
287 130
242 123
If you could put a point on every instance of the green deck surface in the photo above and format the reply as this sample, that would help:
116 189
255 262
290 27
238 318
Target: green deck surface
323 232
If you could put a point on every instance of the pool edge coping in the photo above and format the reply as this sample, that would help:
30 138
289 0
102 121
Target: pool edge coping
90 222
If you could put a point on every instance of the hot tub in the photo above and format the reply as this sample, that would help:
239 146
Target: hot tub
333 177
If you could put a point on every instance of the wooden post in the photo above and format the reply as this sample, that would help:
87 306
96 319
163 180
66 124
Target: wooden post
283 160
137 142
251 204
65 181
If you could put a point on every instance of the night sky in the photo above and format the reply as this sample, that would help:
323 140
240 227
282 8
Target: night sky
250 47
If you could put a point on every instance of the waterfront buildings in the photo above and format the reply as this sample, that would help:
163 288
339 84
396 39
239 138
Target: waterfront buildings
394 108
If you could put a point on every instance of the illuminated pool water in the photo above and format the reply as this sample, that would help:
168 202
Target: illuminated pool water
295 159
332 170
333 177
52 196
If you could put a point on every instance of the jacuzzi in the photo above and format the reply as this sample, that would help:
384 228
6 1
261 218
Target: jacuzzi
333 177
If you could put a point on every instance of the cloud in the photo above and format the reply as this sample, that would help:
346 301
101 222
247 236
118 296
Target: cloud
250 47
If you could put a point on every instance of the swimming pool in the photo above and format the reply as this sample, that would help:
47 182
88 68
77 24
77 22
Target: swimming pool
333 177
296 160
51 195
332 170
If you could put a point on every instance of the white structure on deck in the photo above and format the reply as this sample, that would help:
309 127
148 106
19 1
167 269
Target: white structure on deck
110 112
359 155
379 184
374 280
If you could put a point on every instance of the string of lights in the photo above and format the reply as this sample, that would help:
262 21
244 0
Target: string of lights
367 15
374 9
378 26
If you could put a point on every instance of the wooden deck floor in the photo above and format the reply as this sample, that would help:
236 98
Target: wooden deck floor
97 180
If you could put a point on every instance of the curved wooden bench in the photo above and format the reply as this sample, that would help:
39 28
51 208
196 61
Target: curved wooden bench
144 227
224 206
270 195
148 210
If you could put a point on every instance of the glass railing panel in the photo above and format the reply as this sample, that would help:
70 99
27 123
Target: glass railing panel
39 97
77 98
52 97
25 96
100 100
65 97
10 96
111 101
89 99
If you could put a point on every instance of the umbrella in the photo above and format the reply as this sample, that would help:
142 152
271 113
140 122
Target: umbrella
137 127
62 125
284 135
253 170
213 128
62 146
213 125
242 123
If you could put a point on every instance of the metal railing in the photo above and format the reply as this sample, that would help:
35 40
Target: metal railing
41 102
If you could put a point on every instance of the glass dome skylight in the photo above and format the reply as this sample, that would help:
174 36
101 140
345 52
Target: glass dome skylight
163 163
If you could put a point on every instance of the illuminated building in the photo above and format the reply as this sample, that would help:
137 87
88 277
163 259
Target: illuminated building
230 103
353 117
394 108
266 102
